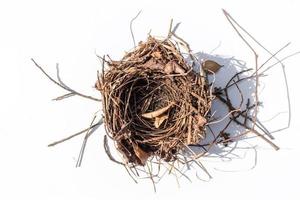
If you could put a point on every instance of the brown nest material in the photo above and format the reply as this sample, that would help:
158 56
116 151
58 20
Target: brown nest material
154 103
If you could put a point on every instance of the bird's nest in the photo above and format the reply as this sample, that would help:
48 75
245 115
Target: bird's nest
154 103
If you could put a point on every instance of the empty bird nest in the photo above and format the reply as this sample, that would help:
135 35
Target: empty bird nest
157 100
154 103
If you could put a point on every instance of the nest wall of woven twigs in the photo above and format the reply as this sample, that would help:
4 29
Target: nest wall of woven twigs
154 103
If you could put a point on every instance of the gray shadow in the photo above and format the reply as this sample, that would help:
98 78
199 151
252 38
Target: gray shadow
219 111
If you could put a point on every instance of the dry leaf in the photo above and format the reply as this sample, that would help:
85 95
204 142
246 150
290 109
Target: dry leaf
158 112
168 68
157 66
211 66
178 69
98 85
153 65
142 155
172 66
156 54
159 120
130 70
200 120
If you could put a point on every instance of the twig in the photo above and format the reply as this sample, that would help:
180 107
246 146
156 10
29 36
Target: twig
62 85
151 177
272 56
131 31
76 134
107 151
232 21
64 96
88 134
278 61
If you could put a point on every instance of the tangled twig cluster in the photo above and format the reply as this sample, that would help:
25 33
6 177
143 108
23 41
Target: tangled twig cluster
154 104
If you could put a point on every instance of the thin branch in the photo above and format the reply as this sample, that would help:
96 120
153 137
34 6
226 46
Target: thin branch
89 132
234 23
61 84
279 61
70 94
272 56
151 176
76 134
131 31
107 151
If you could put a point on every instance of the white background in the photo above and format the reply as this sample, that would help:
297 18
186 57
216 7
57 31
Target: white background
69 32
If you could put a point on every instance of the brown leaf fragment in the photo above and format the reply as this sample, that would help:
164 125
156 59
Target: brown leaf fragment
173 67
159 120
130 70
156 54
169 68
98 85
152 64
158 112
200 120
142 155
178 69
211 66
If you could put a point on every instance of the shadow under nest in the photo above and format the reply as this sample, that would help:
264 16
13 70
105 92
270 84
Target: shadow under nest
154 103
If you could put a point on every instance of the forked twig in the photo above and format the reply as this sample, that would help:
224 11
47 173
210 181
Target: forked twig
279 61
71 92
234 23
